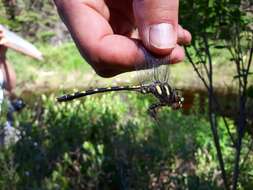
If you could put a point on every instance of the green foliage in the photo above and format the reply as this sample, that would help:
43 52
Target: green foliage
8 174
215 19
108 141
103 142
31 18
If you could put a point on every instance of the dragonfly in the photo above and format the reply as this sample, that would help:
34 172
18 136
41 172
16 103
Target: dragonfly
153 79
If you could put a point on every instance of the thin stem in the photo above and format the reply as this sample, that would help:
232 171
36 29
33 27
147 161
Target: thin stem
203 61
242 117
214 97
212 116
250 57
240 132
196 69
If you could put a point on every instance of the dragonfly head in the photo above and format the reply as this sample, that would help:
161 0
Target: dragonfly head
177 102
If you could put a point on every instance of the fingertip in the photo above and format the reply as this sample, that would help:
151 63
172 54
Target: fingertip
184 36
177 55
188 36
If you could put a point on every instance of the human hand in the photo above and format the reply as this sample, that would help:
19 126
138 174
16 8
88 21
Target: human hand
102 31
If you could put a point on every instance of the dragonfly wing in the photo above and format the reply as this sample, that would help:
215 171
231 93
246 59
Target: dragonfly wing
155 69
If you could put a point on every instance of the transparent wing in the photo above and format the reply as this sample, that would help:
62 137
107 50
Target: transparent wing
154 70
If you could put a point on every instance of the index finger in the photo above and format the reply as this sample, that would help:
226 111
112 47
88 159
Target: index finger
94 37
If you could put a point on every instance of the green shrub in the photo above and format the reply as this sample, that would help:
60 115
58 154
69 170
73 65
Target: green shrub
109 142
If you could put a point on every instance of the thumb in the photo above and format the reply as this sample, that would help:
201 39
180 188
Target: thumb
157 22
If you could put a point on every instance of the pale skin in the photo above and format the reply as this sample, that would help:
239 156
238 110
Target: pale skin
105 31
5 66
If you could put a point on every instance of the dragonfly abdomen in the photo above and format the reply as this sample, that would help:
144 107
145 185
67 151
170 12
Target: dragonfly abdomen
75 95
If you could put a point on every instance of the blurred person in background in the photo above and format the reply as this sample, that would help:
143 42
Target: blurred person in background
7 73
8 133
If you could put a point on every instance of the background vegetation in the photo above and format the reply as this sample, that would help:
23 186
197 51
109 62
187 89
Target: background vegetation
109 141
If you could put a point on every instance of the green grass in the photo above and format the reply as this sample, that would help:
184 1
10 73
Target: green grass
64 68
63 58
58 63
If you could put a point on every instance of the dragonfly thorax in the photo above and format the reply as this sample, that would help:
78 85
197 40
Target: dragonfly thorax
162 91
166 95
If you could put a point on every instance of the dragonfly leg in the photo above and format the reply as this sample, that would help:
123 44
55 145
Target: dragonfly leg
152 110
